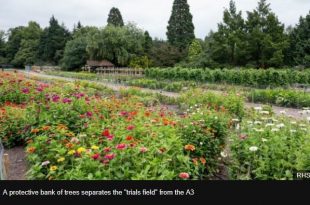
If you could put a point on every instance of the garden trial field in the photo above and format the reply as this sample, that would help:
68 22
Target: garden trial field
84 130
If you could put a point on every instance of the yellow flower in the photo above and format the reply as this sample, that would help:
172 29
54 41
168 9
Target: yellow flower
94 147
61 159
81 149
53 168
71 152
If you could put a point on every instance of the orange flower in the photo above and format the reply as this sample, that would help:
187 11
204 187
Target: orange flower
195 161
129 138
69 145
46 128
147 113
70 134
203 160
35 131
189 147
62 127
31 149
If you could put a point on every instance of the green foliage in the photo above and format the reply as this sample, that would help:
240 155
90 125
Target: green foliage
299 50
281 97
229 102
269 148
116 44
165 55
229 41
75 54
247 77
140 62
115 18
180 30
3 58
53 41
148 42
14 41
194 50
207 130
265 37
29 45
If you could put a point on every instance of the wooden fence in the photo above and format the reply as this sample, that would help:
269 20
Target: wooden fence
118 71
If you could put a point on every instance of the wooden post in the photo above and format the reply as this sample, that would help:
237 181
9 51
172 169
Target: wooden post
6 165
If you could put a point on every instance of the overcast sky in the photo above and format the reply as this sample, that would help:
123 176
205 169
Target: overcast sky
151 15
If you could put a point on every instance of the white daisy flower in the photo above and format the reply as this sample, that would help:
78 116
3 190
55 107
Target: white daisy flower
264 140
224 154
280 125
274 130
253 149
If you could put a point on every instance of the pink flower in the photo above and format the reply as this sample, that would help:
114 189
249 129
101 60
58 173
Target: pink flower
89 114
45 163
130 127
95 156
25 90
109 156
143 149
184 175
110 137
121 146
67 100
55 98
40 89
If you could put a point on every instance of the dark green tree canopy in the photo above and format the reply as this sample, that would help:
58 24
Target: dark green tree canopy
148 42
229 40
115 18
53 42
180 30
299 50
265 36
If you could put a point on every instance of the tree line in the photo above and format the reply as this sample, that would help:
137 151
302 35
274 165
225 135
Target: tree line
259 40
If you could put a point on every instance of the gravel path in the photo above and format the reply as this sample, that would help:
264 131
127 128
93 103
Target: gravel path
17 163
290 112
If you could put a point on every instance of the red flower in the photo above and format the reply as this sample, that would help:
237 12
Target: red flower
129 138
121 146
106 133
109 156
184 175
95 156
130 127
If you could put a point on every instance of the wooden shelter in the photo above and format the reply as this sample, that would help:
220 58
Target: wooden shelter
92 65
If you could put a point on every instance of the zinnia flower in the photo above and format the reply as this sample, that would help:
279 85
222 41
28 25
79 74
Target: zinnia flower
25 90
55 98
143 149
130 127
80 150
61 159
184 175
107 149
53 168
121 146
94 147
253 149
67 100
95 156
106 133
71 152
89 114
45 163
31 149
189 147
129 138
109 156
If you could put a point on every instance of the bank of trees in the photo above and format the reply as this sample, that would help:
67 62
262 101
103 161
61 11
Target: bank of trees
257 40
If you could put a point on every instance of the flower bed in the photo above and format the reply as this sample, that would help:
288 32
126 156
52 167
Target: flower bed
72 132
